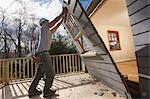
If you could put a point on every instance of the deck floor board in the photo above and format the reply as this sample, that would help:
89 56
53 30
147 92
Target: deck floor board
79 86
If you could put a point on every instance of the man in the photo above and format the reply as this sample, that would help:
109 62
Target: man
45 68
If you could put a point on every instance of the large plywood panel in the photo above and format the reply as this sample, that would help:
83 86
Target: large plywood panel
105 78
107 74
113 84
103 66
78 11
100 65
99 59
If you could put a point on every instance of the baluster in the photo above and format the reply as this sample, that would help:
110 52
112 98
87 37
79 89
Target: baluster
28 68
31 67
53 59
60 65
67 63
57 64
5 71
20 68
24 68
73 63
0 71
76 62
70 67
79 63
64 66
11 69
16 70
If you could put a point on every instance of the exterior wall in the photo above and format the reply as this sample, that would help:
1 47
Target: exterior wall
139 12
127 52
113 16
98 61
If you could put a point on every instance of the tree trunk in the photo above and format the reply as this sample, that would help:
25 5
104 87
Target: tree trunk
19 41
5 47
19 47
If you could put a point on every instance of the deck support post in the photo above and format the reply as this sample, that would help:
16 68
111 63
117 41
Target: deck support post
83 66
5 72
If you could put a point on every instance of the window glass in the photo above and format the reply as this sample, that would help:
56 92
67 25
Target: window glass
114 42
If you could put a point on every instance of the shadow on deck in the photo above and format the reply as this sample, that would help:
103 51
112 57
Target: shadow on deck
75 86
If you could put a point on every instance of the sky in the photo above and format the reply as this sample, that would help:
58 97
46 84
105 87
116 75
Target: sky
48 9
85 3
40 8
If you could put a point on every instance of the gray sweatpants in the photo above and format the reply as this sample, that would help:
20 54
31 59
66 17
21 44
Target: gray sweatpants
45 70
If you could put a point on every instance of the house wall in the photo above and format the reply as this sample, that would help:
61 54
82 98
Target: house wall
99 65
139 12
113 15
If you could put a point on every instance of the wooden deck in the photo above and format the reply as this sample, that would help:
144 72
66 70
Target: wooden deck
72 86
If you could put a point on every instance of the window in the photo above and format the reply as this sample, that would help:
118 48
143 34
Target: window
84 44
76 32
114 42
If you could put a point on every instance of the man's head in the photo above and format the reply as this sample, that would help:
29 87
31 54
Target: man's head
42 21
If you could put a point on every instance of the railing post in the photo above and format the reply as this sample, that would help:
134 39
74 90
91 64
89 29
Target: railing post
83 66
6 72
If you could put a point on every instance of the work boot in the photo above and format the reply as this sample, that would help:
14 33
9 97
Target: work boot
48 93
34 93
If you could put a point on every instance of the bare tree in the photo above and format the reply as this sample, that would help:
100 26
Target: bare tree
14 27
31 37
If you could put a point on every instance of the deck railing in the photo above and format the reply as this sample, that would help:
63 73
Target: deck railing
24 68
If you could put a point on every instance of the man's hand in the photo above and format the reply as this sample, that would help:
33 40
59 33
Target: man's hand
64 17
36 58
65 10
